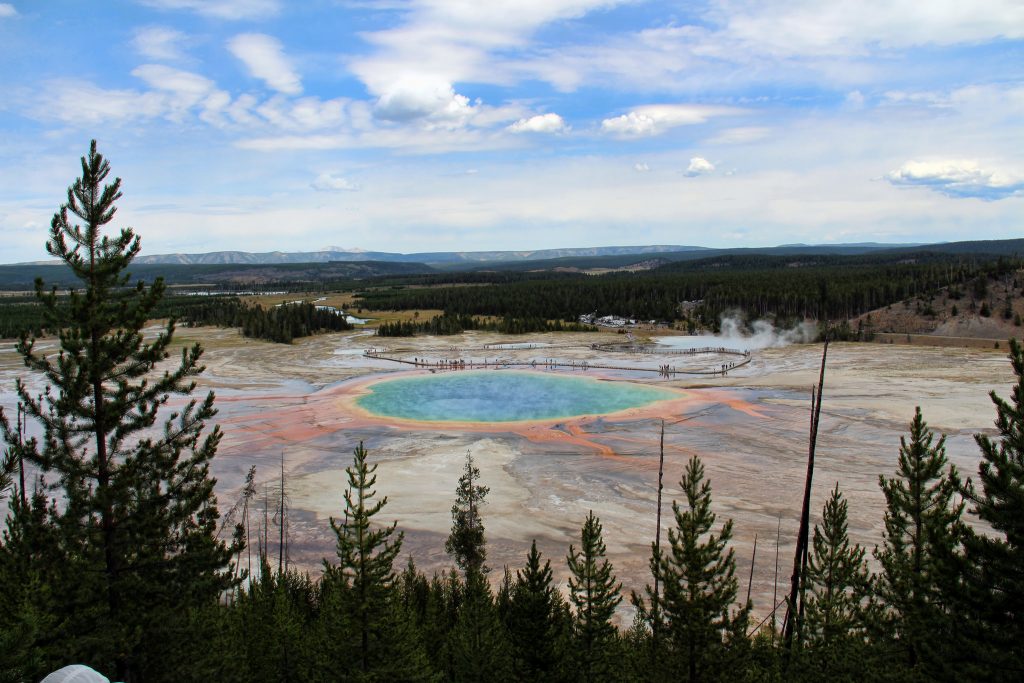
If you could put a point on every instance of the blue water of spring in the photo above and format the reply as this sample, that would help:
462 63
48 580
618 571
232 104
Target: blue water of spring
504 396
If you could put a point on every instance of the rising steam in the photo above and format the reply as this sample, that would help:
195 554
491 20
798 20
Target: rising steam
734 334
764 335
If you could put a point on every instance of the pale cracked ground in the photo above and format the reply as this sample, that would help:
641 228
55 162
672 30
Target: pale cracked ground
750 429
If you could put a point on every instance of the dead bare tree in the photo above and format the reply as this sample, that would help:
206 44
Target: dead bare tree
800 557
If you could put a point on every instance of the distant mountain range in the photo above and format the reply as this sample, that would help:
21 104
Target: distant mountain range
544 258
240 268
329 254
573 257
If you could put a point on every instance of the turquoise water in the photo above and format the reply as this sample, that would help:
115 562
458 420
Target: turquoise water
503 396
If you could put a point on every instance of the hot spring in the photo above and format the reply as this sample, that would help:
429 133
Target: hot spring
504 396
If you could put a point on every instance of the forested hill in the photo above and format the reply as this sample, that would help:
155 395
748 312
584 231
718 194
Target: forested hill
822 288
22 276
824 254
752 260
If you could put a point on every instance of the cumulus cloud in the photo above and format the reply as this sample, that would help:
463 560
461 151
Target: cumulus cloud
699 166
7 10
959 178
542 123
424 98
264 57
326 182
221 9
655 119
159 42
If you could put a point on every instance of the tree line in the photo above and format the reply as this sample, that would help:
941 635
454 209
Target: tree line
454 323
842 288
281 324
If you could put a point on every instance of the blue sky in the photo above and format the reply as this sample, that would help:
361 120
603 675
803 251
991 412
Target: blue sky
430 125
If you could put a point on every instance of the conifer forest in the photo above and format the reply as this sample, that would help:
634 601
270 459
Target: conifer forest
114 552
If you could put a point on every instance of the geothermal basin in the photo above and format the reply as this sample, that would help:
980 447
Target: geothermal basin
311 403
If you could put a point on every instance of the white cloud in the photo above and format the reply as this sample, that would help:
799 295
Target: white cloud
159 42
959 178
699 166
84 103
173 94
454 41
972 100
7 10
221 9
450 42
655 119
542 123
264 56
326 182
303 114
641 167
733 43
189 85
845 27
182 91
410 99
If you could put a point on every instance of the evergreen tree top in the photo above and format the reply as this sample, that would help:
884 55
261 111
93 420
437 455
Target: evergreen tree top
138 517
466 542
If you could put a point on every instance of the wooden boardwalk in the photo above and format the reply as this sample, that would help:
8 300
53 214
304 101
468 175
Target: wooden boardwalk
447 365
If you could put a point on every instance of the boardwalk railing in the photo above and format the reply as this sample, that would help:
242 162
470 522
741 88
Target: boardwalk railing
448 364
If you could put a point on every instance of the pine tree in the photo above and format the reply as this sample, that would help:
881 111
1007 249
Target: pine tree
838 586
7 466
138 515
31 569
478 644
444 602
414 591
919 555
705 635
271 631
996 579
371 637
466 543
837 580
536 621
594 594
